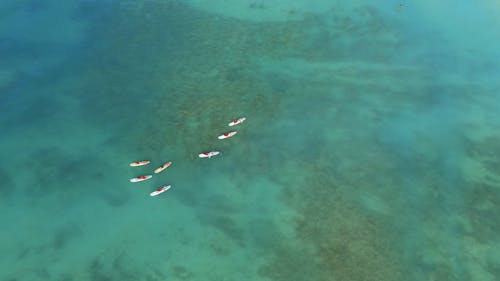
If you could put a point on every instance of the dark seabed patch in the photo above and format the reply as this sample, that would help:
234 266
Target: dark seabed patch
100 270
482 194
66 277
182 273
342 241
7 186
66 235
54 171
108 266
224 223
116 197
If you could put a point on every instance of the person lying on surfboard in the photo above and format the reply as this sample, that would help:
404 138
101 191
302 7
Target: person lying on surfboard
140 178
160 190
226 135
163 167
208 154
139 163
237 121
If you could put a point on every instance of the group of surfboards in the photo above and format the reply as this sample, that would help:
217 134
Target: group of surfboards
209 154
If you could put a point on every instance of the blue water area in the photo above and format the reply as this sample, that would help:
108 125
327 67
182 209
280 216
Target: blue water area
370 149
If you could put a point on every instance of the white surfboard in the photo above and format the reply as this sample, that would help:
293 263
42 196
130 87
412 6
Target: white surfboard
139 163
208 154
160 190
237 121
141 178
226 135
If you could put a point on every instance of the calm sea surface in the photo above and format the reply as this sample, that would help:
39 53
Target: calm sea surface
370 150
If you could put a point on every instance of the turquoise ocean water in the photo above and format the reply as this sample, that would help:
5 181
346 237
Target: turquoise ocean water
370 150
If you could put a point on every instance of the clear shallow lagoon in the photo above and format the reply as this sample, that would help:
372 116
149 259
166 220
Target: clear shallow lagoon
370 151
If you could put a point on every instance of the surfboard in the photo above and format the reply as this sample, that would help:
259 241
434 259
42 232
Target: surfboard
139 163
160 190
141 178
226 135
166 165
237 121
208 154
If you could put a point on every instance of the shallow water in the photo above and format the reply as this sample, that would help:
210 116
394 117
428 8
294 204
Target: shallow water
369 150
